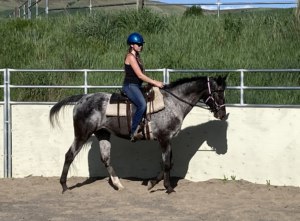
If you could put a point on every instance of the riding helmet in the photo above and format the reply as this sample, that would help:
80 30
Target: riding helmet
135 38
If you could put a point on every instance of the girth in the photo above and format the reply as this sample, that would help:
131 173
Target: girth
117 98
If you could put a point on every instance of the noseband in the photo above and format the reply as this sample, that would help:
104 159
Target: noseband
216 106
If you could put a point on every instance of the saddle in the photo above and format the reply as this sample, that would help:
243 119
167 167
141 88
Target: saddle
121 98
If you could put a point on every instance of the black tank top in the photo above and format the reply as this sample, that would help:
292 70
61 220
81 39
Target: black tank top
130 75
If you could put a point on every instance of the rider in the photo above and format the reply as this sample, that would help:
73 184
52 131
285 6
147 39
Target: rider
134 77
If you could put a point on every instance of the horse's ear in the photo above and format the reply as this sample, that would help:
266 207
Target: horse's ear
219 80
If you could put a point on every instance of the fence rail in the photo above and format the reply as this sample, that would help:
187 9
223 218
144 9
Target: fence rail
138 3
219 4
166 73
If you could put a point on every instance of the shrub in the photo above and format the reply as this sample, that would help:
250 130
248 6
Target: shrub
195 10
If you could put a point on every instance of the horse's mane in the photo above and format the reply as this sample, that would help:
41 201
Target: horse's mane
183 81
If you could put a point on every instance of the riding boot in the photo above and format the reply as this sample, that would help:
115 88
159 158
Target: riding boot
136 136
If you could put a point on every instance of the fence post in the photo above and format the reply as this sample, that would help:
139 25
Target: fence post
46 8
7 128
85 82
16 11
8 125
218 8
5 125
36 8
166 76
242 88
29 9
91 6
139 4
24 11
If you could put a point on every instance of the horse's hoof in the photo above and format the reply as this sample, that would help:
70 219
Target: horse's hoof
151 184
169 191
121 188
64 190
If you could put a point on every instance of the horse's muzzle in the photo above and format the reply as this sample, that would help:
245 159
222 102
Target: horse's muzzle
220 114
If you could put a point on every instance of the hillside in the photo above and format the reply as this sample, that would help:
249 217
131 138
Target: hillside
7 6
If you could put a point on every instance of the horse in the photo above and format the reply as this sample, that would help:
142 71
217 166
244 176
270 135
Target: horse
89 117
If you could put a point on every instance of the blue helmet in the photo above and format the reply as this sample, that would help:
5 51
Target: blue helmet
135 38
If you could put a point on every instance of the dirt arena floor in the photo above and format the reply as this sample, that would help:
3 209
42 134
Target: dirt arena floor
40 198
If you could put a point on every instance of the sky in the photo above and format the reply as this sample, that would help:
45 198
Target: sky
214 7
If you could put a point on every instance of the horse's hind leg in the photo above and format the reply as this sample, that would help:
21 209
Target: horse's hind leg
69 157
103 136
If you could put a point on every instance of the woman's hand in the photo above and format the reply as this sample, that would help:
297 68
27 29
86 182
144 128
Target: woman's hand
158 84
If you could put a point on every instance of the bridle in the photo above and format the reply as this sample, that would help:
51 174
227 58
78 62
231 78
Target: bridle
216 107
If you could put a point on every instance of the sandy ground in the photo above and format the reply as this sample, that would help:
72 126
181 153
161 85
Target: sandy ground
40 198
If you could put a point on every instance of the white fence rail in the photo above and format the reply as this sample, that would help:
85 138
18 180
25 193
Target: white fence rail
166 73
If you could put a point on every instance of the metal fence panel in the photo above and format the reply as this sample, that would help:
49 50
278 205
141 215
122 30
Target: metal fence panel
166 79
242 87
3 160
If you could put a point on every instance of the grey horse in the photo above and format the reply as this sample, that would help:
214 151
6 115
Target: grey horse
179 97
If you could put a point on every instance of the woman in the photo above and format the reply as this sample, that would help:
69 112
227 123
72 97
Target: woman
134 77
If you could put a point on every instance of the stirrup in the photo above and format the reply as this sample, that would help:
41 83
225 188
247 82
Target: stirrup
136 136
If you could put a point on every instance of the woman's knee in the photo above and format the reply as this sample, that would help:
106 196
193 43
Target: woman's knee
143 105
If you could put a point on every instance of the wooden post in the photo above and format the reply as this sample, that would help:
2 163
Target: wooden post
139 4
297 11
16 11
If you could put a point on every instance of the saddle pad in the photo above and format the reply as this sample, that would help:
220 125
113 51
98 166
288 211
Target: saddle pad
158 104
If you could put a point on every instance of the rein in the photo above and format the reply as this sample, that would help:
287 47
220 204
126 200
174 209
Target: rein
195 105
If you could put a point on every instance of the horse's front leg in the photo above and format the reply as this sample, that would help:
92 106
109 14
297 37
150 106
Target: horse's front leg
165 173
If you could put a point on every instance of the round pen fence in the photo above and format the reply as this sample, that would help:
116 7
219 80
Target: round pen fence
247 122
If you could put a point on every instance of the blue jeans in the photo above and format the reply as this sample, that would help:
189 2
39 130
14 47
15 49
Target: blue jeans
133 92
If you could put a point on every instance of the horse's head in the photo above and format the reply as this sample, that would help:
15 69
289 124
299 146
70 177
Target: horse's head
216 96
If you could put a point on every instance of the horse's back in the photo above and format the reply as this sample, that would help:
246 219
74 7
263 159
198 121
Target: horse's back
91 103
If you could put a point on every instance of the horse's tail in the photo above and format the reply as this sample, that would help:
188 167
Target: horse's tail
54 112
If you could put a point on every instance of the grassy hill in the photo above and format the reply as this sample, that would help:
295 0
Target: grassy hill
7 6
252 40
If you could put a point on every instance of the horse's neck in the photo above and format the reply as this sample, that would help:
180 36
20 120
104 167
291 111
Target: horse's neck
191 93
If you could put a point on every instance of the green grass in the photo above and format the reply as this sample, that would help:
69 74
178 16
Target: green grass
245 40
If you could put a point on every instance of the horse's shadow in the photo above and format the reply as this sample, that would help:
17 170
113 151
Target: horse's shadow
142 160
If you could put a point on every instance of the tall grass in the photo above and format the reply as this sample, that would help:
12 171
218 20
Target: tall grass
98 41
